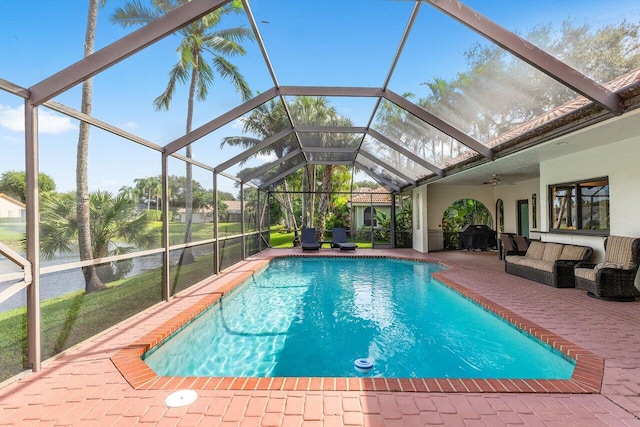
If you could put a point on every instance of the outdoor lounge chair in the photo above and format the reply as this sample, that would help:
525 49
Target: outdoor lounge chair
507 247
521 243
340 240
614 278
309 240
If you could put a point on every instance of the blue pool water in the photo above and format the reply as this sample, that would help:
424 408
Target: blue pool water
311 317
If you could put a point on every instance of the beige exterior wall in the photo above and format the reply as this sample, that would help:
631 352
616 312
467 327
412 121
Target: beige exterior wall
358 219
8 209
619 161
420 232
510 194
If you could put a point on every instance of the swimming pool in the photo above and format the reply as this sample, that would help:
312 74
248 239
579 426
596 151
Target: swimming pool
288 321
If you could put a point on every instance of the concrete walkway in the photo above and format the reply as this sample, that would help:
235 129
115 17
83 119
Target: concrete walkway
83 386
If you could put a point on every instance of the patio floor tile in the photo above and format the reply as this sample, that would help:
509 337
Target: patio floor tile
83 387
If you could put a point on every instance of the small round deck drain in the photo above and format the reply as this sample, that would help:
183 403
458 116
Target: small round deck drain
180 398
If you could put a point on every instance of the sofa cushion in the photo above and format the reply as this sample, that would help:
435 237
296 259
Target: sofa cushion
537 264
536 250
607 265
552 251
514 259
572 252
586 273
619 251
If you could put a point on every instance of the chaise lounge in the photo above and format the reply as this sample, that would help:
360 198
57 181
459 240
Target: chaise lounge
614 278
340 240
309 240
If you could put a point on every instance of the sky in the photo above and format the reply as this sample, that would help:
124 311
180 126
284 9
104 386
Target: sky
310 42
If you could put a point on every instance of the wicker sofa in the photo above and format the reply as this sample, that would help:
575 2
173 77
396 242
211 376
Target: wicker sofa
548 263
614 278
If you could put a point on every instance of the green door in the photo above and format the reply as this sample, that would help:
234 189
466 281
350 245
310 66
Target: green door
523 218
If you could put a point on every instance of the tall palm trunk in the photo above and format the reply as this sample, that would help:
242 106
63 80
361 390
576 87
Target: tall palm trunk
187 254
92 281
323 203
296 240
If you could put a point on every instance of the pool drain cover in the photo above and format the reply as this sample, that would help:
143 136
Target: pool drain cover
181 398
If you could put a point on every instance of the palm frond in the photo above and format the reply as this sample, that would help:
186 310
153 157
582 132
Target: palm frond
178 73
134 13
229 71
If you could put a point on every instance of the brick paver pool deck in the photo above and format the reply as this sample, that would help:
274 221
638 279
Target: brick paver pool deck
86 385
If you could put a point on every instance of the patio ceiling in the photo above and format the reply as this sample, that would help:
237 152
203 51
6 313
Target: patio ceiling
392 153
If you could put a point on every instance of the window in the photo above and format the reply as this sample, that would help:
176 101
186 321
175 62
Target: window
580 205
370 217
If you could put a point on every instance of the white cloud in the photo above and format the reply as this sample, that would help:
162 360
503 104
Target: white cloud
11 140
267 158
48 122
130 125
237 123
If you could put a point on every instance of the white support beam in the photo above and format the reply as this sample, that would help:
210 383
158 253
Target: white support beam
191 161
330 129
330 162
68 111
439 124
330 149
400 149
264 169
253 150
122 49
281 176
366 92
14 89
386 166
379 179
220 121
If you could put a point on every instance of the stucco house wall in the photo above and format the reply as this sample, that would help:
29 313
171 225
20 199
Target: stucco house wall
618 161
358 214
11 208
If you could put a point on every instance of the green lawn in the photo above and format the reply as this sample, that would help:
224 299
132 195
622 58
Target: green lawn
74 317
12 233
200 231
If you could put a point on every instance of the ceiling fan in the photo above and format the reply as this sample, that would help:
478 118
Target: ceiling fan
495 180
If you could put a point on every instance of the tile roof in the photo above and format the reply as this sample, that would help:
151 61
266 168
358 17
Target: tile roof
379 196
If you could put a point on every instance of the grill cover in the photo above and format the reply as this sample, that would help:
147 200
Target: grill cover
477 236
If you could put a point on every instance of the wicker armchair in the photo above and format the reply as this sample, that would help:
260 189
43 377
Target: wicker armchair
614 278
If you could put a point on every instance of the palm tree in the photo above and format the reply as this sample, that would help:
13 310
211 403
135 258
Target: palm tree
199 39
264 121
270 118
129 191
116 229
92 281
151 187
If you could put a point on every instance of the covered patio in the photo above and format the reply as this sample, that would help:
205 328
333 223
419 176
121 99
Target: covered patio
83 387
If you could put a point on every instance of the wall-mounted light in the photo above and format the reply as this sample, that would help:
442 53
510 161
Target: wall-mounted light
534 206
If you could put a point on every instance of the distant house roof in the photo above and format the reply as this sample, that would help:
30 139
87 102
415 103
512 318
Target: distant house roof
10 199
233 205
378 196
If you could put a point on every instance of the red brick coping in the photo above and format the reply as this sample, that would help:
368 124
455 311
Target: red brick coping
587 375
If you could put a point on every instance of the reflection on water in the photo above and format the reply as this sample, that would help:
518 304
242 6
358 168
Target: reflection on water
60 283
